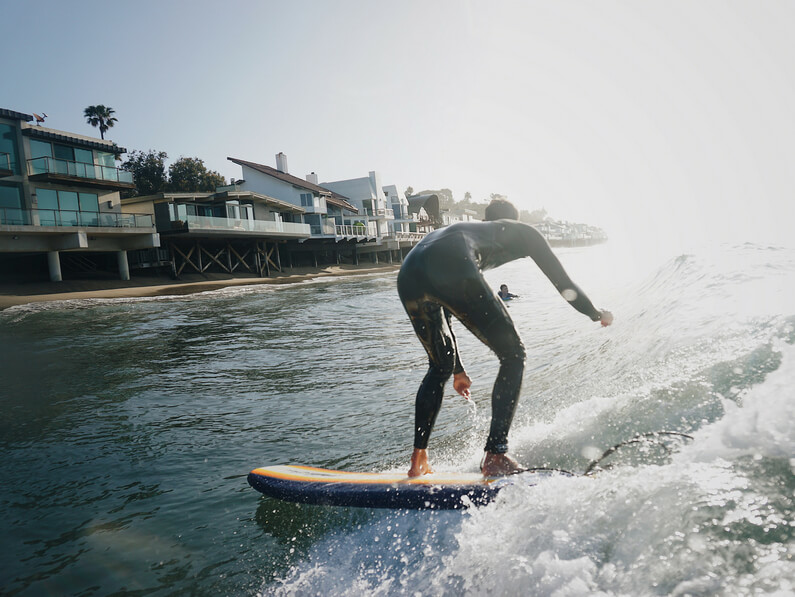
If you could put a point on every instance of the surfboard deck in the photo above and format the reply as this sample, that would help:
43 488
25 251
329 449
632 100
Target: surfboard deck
436 491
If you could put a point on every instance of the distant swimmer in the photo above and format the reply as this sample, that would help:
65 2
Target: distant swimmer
505 295
442 276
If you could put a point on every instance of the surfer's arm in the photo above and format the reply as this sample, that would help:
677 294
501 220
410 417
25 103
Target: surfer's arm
548 262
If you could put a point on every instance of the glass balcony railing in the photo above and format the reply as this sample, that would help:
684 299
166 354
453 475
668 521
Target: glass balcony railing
55 217
46 165
10 216
324 229
266 226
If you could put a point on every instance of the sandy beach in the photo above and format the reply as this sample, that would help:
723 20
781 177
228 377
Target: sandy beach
20 293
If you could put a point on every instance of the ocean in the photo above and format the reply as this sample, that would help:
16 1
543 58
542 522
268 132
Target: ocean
128 427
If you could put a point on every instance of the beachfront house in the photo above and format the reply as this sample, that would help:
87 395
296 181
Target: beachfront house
367 194
60 207
323 210
229 230
404 224
565 234
341 228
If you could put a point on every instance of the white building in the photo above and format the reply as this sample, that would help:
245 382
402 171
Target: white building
325 211
400 208
368 196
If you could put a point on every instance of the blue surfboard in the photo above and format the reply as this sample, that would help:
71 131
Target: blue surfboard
436 491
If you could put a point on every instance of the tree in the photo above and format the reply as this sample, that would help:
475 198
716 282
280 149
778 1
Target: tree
100 116
409 191
149 171
189 175
467 197
533 217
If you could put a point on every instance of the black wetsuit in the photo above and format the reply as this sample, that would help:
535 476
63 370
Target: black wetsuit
442 275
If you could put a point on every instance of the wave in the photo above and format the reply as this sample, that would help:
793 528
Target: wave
703 345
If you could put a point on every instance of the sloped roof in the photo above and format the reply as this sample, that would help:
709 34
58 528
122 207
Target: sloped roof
331 197
11 115
39 132
207 196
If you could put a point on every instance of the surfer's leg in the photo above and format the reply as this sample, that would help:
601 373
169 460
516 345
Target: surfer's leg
487 318
434 333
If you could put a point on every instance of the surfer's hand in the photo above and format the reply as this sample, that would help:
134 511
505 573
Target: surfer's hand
462 383
606 318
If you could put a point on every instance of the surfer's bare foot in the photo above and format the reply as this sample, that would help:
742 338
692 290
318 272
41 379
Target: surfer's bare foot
419 463
498 465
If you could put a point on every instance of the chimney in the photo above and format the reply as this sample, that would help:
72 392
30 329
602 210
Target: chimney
311 178
281 163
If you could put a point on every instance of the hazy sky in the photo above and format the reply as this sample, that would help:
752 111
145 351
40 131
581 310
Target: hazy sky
671 119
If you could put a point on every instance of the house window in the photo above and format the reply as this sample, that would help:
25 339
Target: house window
67 160
11 211
63 152
67 208
40 149
307 200
8 145
84 156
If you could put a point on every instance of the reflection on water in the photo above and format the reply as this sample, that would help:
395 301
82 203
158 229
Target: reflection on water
128 427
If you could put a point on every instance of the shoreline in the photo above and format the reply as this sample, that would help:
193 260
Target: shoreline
22 293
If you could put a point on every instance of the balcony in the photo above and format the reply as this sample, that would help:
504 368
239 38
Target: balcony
213 225
324 229
5 165
89 175
348 230
51 217
408 236
378 213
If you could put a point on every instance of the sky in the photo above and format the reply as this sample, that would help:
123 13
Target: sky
659 121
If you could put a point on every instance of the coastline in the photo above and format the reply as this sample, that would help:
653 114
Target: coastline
21 293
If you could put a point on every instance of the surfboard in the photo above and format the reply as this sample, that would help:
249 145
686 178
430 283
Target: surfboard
436 491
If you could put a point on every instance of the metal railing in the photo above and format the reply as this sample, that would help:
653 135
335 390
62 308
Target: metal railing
348 230
213 223
59 217
47 165
409 236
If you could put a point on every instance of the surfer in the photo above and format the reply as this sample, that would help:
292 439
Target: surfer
505 295
441 276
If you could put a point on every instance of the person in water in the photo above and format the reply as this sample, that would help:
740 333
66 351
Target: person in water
505 295
441 276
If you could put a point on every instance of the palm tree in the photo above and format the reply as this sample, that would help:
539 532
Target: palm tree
100 116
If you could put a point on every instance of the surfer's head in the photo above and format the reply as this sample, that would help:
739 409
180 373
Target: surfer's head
501 209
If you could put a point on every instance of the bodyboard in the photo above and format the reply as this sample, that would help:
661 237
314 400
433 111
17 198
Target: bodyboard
439 491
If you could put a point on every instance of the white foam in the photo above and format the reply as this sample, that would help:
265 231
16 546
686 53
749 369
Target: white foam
762 426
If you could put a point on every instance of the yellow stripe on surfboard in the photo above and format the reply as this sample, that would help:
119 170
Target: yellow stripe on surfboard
308 474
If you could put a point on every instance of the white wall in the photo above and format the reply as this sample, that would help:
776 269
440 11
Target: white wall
264 184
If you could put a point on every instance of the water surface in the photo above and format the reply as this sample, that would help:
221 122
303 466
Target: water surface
128 427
